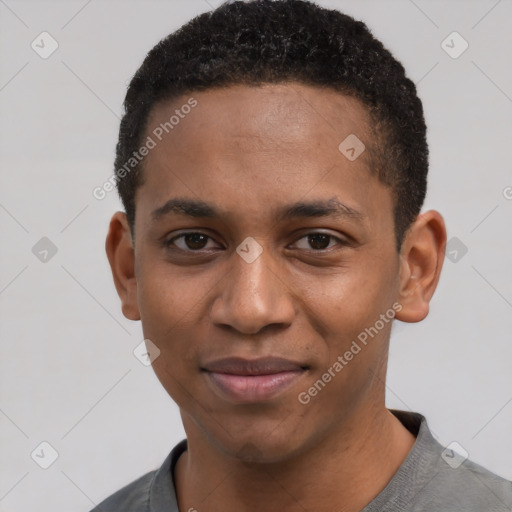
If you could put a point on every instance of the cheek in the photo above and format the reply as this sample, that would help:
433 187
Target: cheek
352 351
169 308
176 366
341 304
166 295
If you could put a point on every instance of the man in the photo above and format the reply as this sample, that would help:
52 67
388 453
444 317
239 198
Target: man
272 162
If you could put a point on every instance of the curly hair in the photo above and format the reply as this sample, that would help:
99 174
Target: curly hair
276 41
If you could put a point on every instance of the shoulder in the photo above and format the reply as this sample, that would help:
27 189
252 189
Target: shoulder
434 477
152 492
468 487
134 497
453 482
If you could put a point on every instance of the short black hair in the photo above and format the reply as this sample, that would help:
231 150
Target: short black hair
276 41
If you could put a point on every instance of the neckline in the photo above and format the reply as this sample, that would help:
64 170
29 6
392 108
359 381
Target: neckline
163 493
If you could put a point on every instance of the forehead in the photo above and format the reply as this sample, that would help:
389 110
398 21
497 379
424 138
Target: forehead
270 112
259 146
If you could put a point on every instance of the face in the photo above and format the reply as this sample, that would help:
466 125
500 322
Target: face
262 254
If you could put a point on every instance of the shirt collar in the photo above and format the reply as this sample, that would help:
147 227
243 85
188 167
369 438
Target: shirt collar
424 452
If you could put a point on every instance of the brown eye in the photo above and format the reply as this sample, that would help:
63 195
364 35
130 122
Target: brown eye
190 242
318 241
195 240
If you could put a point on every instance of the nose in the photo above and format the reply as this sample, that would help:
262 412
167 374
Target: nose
252 297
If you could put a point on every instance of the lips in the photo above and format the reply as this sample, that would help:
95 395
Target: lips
247 381
263 366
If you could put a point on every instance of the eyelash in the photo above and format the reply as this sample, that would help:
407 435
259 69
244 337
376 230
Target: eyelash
169 243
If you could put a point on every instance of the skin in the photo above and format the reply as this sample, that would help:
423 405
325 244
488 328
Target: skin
249 151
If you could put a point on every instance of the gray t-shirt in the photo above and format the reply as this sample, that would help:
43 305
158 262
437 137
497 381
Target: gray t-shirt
431 478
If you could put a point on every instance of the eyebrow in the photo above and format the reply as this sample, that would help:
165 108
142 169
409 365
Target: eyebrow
301 209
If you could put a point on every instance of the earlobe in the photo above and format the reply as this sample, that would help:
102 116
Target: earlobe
421 261
120 253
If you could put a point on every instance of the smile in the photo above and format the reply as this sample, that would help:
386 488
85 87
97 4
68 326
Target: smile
245 381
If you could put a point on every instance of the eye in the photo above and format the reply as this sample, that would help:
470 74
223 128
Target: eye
318 241
195 241
190 242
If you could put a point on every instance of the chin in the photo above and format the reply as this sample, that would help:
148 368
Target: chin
264 447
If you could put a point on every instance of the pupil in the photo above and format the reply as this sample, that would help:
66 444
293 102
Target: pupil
319 241
195 240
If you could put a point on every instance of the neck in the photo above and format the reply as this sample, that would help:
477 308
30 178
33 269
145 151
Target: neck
343 472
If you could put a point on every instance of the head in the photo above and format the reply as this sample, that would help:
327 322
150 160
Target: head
275 212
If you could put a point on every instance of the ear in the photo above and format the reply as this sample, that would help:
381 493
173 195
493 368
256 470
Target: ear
421 261
121 256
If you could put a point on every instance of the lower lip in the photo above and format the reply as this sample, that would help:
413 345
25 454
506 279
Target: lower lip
253 388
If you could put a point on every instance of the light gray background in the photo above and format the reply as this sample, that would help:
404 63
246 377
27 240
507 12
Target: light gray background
68 375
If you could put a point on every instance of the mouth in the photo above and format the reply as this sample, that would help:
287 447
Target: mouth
248 381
